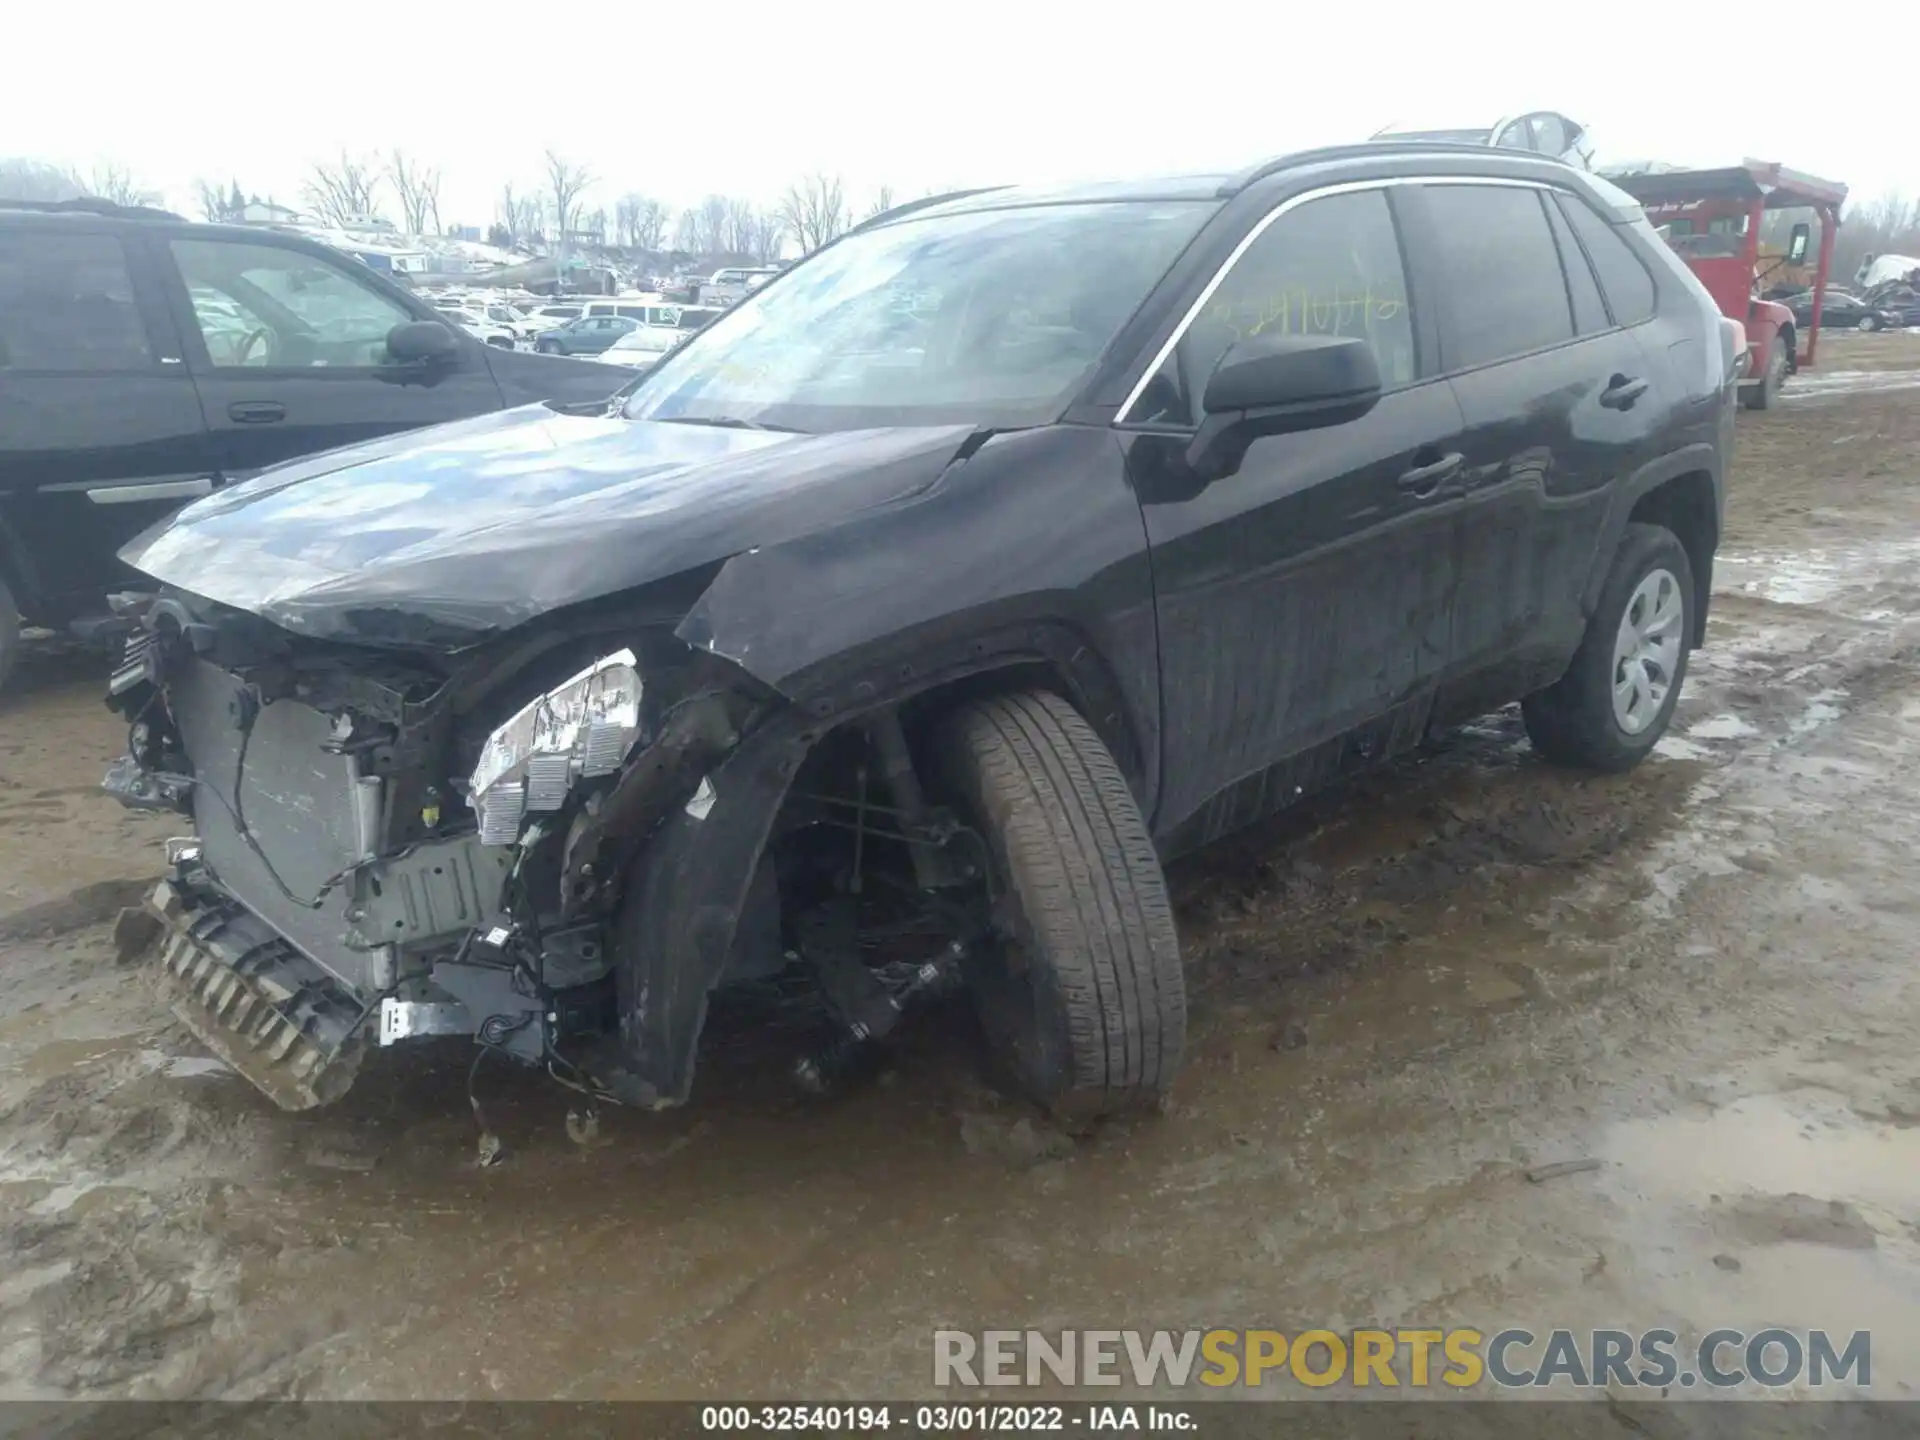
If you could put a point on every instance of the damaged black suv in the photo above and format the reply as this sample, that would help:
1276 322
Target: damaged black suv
885 638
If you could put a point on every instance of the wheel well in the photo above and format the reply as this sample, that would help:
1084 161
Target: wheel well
1788 334
832 757
1685 506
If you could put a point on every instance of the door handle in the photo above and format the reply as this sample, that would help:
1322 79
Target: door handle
256 412
1423 480
1621 392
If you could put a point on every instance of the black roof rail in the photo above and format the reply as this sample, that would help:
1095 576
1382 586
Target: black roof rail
89 205
1233 185
924 202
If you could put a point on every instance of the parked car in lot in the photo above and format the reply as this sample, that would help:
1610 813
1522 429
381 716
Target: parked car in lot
145 360
1900 303
643 346
894 629
589 335
1842 310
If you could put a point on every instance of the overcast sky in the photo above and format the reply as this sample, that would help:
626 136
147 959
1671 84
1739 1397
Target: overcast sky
739 97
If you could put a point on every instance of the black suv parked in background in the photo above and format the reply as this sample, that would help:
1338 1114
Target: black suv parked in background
145 360
896 627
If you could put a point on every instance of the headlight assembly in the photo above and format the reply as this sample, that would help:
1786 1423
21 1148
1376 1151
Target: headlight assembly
573 732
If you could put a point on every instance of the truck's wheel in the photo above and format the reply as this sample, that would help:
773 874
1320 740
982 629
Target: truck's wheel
9 633
1617 697
1761 396
1081 995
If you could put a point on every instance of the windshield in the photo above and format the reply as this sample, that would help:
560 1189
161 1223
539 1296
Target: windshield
994 318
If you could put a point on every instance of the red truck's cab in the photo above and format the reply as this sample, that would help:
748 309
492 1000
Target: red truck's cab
1712 219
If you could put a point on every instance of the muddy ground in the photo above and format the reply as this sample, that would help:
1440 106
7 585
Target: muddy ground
1701 975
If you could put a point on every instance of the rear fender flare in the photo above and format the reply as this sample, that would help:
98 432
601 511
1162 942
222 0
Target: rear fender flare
1697 458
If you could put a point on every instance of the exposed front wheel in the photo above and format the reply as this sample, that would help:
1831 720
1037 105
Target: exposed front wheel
1617 697
1869 323
1081 992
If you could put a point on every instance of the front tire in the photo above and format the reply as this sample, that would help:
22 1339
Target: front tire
1617 697
1869 323
1081 995
1761 396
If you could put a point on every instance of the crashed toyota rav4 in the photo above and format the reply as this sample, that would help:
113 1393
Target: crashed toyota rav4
882 642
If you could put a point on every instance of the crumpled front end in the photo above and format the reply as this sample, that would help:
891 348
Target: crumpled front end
388 846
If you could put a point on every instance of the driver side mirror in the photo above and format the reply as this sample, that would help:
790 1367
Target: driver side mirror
1278 385
1801 237
422 342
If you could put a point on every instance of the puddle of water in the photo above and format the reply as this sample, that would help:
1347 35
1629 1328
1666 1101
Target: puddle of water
1820 709
1812 577
1785 1209
1722 727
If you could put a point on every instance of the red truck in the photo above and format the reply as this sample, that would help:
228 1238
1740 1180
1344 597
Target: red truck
1712 218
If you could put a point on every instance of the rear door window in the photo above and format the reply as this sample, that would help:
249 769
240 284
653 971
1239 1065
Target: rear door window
67 305
1628 286
1505 291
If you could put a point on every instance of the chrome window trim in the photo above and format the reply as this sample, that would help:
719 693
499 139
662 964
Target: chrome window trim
1294 202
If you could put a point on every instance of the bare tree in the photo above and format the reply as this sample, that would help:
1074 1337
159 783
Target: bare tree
815 210
703 228
882 202
650 225
592 223
22 179
113 181
418 188
640 222
740 231
343 192
566 183
768 227
1887 226
521 214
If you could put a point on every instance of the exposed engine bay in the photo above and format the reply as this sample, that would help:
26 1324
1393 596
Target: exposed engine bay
558 844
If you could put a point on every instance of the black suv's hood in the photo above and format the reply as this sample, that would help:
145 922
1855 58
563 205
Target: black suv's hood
485 523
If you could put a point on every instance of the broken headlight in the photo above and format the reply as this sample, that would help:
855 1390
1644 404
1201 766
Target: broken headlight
573 732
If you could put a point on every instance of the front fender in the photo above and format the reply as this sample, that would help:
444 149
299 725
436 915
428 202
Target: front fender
1031 548
678 912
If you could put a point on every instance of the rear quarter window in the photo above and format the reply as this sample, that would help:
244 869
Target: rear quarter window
1624 279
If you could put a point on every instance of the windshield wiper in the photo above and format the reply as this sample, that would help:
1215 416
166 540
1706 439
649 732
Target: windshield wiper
728 422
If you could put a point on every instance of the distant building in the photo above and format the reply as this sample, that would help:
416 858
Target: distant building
265 212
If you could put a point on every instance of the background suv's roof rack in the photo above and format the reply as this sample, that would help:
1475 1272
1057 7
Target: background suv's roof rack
89 205
1233 185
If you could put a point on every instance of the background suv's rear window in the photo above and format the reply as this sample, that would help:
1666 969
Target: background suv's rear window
66 304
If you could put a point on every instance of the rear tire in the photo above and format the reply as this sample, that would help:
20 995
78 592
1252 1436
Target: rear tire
1082 995
9 634
1576 721
1761 396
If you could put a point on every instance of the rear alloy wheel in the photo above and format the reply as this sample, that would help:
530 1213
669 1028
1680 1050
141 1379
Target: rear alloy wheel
1761 396
1081 992
9 634
1617 697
